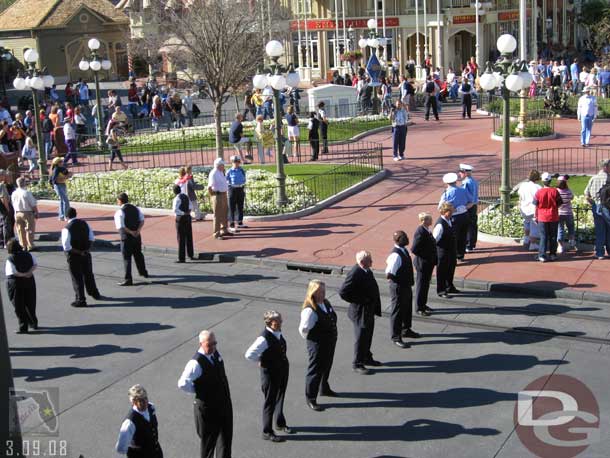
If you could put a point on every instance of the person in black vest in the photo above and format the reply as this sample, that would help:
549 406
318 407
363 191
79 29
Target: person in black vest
139 433
424 249
430 90
318 327
205 376
269 351
76 239
129 220
323 127
21 286
466 91
314 136
399 272
184 225
361 291
446 250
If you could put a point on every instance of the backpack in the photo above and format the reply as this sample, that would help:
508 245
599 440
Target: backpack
604 195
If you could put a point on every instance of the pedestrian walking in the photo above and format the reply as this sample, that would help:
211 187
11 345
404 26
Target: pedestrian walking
21 286
114 143
70 140
139 433
526 191
318 326
7 212
547 201
30 154
600 206
361 291
424 249
58 178
446 251
26 214
269 351
76 240
181 207
129 221
236 136
205 376
323 127
586 114
430 90
218 188
264 136
313 127
294 132
466 92
188 104
459 198
566 216
236 179
399 272
471 186
399 118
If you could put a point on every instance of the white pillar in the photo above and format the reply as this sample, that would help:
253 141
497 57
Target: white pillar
417 49
385 47
564 23
336 35
545 35
307 42
300 49
439 34
534 39
522 29
477 33
345 47
425 30
555 24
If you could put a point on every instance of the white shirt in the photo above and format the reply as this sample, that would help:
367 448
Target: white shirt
259 346
66 237
23 200
128 429
309 318
187 101
10 269
527 191
450 77
438 230
192 371
393 262
69 132
217 181
176 206
583 77
587 106
119 217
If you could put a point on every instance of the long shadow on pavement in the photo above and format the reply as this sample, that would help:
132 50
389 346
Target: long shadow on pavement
175 303
39 375
530 309
73 352
117 329
525 335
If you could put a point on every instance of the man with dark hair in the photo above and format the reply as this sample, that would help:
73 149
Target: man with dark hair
323 127
431 89
129 220
184 228
76 239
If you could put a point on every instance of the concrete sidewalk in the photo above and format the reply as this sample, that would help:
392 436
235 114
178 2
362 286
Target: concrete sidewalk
368 219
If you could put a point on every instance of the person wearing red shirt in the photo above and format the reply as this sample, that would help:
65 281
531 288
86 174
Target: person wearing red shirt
547 201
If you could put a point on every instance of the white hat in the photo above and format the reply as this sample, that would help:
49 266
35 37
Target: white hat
466 167
449 178
546 176
218 162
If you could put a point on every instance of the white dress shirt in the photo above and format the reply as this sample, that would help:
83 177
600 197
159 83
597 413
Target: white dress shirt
259 346
587 106
192 371
217 181
69 132
10 269
309 318
128 429
66 238
176 206
119 217
393 262
438 230
23 200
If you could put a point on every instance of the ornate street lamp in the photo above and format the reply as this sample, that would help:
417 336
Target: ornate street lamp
373 66
35 80
509 75
278 77
95 64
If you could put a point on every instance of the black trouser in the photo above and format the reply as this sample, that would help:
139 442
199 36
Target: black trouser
321 355
315 148
273 384
473 228
324 136
154 452
81 272
212 424
237 196
466 105
401 316
362 345
460 225
8 226
422 281
22 294
132 246
184 232
431 103
445 270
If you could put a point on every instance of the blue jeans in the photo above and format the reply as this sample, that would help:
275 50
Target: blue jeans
586 126
568 222
399 137
48 144
64 203
601 220
548 238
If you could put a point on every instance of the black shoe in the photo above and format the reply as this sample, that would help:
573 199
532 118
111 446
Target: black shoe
410 334
425 312
285 429
180 261
35 324
192 258
21 331
329 393
272 437
428 309
401 344
97 296
145 275
453 290
445 295
125 283
313 405
361 370
78 304
372 362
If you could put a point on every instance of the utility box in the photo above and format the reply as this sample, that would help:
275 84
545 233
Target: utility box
339 101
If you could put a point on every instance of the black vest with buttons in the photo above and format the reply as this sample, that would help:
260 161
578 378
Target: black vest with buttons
274 357
146 437
183 207
325 329
131 219
404 274
79 234
22 260
447 242
212 388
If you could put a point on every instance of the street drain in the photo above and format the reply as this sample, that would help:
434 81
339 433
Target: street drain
309 268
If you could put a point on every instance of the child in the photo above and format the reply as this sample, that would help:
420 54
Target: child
566 215
115 151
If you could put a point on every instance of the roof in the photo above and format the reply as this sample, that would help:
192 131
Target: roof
33 14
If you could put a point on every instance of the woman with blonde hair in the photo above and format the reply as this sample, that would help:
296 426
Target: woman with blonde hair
318 327
264 135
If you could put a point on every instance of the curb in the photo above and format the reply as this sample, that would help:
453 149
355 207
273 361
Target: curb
498 138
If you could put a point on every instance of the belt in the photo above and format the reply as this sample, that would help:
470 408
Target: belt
24 211
236 185
217 193
460 210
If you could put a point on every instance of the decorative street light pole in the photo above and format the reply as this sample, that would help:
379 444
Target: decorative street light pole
278 77
95 64
509 75
35 80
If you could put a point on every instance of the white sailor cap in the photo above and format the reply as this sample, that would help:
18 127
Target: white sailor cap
466 168
449 178
218 162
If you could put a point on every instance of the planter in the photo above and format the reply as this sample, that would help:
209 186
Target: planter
524 139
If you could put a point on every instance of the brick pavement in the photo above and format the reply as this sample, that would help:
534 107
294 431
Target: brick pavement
368 219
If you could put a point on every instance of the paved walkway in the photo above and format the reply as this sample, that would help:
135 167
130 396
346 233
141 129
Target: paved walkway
367 220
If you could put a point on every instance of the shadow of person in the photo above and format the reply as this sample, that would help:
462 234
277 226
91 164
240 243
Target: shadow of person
514 336
174 303
529 309
39 375
74 352
117 329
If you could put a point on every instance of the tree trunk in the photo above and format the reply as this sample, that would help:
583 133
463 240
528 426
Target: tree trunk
218 120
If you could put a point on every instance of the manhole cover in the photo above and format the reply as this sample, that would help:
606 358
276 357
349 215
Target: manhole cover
328 253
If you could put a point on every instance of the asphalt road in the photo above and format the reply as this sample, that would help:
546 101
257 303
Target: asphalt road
453 393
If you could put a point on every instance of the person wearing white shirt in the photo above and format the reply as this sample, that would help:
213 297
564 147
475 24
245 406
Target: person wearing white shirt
21 286
269 351
527 190
318 326
446 251
129 221
26 213
586 114
187 103
182 207
218 188
204 375
139 433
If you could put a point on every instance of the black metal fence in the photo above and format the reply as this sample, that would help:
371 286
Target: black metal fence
526 119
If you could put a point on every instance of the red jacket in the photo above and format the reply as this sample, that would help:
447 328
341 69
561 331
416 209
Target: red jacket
547 201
